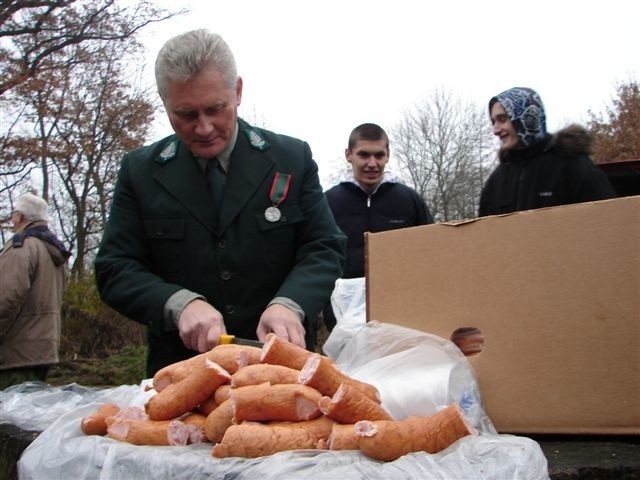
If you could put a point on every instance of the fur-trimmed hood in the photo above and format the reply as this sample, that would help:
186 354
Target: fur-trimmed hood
570 141
573 140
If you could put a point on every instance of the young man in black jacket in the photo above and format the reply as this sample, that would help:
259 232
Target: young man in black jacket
368 199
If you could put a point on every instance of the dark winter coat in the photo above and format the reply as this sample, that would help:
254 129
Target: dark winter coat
163 235
555 171
392 206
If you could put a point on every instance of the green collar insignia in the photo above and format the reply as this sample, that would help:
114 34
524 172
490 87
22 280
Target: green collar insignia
256 140
169 151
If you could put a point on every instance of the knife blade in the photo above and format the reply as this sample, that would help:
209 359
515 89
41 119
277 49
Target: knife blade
227 339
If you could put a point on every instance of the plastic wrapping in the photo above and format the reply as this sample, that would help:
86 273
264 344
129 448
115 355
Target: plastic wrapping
348 301
63 451
416 373
36 405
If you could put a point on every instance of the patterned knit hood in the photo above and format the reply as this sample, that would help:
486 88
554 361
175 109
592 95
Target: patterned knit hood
525 111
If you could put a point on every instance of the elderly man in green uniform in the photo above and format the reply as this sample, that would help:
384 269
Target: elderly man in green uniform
220 228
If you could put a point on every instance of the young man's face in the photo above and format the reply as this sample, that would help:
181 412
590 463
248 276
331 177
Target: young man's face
503 128
368 159
203 112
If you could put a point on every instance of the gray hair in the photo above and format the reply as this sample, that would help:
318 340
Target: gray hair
186 55
32 207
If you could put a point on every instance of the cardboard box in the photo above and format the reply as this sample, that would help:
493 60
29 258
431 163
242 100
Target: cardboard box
556 293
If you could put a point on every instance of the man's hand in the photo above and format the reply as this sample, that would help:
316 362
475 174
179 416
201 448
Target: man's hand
200 326
283 322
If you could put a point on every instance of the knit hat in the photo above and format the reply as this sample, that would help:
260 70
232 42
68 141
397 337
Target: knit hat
526 112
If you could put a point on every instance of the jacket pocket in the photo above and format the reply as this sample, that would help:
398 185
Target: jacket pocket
279 239
164 228
166 237
289 216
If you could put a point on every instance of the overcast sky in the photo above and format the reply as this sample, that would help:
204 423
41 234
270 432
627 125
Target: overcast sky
316 69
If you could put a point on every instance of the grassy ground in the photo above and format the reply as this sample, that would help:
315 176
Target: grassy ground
124 367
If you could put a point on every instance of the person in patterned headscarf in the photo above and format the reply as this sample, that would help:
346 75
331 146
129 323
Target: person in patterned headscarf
537 169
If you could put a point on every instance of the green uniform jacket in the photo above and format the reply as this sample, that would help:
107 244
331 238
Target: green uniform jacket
163 236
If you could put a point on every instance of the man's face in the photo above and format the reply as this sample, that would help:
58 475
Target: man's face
368 159
503 128
17 219
203 112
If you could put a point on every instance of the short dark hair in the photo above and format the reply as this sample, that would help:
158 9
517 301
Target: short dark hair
368 131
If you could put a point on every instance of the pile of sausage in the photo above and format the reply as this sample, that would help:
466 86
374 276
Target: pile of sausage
250 402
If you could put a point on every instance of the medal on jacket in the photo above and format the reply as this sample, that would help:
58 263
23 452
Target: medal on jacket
277 194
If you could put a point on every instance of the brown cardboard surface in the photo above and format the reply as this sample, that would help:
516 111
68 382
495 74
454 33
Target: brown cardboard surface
556 293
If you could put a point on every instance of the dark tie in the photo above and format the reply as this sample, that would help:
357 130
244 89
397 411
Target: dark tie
215 179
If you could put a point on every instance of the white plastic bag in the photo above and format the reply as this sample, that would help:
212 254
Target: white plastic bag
415 372
348 301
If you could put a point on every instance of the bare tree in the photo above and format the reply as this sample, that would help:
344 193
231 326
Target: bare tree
74 127
443 147
13 170
96 116
33 33
40 43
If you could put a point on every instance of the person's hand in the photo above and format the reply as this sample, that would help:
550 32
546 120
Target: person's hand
283 322
200 326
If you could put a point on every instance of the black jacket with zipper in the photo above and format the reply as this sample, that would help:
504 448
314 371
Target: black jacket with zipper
556 171
391 206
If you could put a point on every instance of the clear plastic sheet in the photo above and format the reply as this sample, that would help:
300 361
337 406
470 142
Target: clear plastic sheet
416 373
36 405
63 451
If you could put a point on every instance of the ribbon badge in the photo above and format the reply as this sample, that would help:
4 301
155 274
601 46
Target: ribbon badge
277 194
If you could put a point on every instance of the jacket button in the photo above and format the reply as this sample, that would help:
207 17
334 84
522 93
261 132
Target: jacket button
230 310
222 243
225 275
